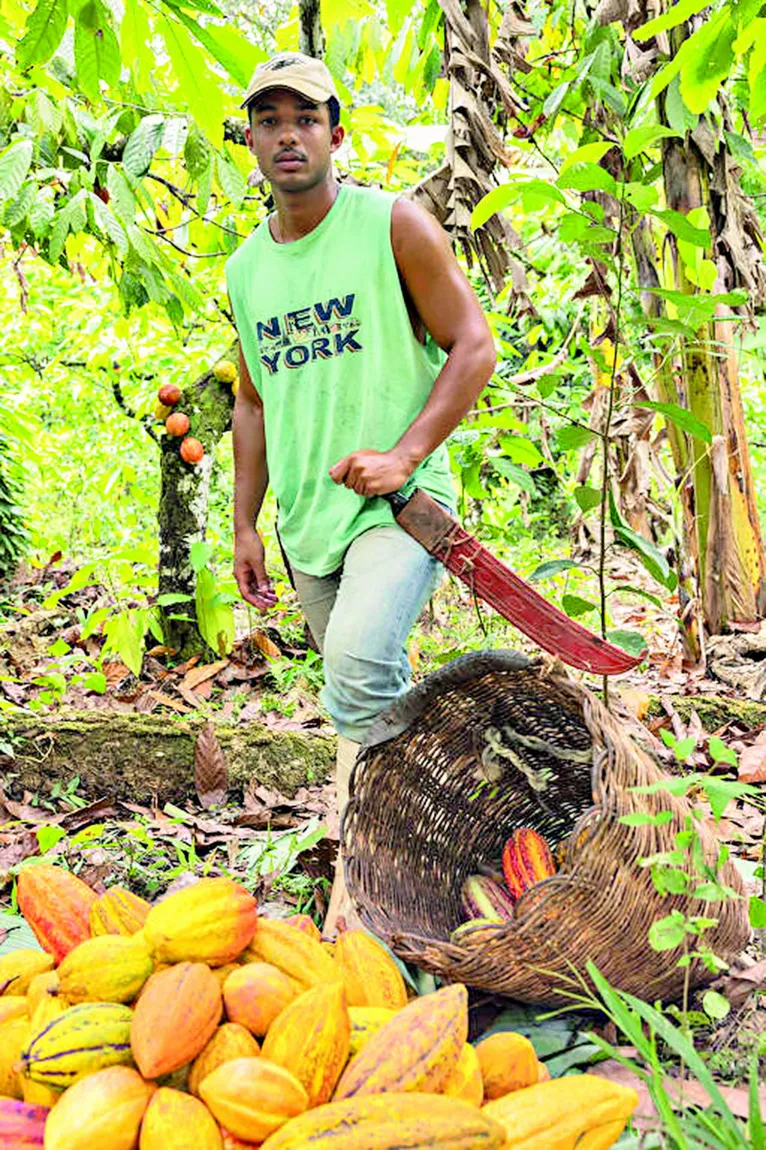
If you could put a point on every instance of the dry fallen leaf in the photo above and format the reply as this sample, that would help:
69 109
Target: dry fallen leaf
738 985
166 701
198 675
752 761
211 775
265 645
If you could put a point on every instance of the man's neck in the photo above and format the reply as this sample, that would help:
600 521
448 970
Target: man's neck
299 214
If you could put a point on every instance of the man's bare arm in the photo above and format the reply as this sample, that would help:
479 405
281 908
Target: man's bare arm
251 480
447 304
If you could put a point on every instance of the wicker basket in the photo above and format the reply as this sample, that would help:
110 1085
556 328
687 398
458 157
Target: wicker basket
422 816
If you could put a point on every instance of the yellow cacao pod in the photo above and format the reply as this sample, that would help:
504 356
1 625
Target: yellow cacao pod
101 1112
79 1042
176 1121
305 923
580 1111
230 1041
212 921
13 1035
161 411
371 976
311 1038
18 968
366 1021
118 911
508 1062
255 994
176 1015
46 1010
294 952
223 972
231 1142
35 1094
466 1081
391 1121
13 1006
225 371
252 1097
110 968
417 1050
42 986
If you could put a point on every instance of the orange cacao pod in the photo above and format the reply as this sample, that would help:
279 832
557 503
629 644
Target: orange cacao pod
18 968
543 1073
22 1126
119 911
13 1006
231 1142
56 904
100 1112
294 952
169 394
230 1041
527 860
310 1038
466 1081
255 994
191 449
508 1062
212 921
579 1110
417 1050
305 923
371 976
252 1097
177 423
176 1121
174 1018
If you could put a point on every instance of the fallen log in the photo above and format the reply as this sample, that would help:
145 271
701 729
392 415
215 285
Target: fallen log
141 757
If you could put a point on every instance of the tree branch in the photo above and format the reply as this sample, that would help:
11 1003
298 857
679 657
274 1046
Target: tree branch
124 406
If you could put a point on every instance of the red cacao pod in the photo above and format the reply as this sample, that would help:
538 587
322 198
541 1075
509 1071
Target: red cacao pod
169 394
192 450
56 904
482 897
177 423
527 860
22 1126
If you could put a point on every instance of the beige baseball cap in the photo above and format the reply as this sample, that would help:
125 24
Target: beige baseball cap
293 70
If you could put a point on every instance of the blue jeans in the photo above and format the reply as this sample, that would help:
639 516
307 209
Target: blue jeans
360 617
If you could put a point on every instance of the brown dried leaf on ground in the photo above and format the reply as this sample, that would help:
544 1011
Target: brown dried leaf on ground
739 984
199 675
752 761
14 849
265 645
211 775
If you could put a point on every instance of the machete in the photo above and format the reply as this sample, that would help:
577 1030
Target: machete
443 537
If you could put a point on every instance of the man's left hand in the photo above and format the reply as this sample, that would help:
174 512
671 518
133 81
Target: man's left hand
372 472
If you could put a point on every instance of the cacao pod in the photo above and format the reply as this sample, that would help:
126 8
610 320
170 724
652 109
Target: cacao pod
366 1021
543 1073
371 976
42 986
35 1094
13 1035
56 904
79 1042
192 451
482 897
466 1081
169 394
13 1006
527 860
48 1008
231 1142
100 1112
118 911
475 930
161 411
417 1050
176 1015
389 1122
109 968
508 1062
21 1126
223 972
310 1038
225 371
177 423
305 923
294 952
18 968
230 1041
176 1121
580 1111
252 1097
212 921
255 994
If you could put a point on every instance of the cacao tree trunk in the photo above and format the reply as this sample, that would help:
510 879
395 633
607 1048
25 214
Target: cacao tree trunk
182 514
311 34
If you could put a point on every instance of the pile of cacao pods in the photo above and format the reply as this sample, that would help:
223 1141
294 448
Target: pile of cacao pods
195 1024
488 899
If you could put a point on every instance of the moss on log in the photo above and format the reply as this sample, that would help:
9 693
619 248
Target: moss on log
138 757
714 711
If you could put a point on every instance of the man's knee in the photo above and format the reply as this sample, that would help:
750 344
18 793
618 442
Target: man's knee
359 687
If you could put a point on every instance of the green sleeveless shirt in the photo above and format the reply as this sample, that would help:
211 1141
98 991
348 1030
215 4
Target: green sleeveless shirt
328 342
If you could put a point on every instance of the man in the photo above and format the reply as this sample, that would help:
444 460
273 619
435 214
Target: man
346 300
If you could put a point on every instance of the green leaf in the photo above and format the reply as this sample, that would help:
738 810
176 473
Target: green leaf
681 417
572 437
575 605
757 912
654 561
637 819
639 139
231 180
200 554
493 202
14 165
197 85
640 196
630 641
521 450
18 208
535 193
125 635
667 933
215 619
706 60
122 200
142 144
49 837
515 474
551 567
720 752
674 16
555 99
587 153
587 178
196 152
680 226
136 42
226 44
587 498
715 1005
755 1124
96 50
44 29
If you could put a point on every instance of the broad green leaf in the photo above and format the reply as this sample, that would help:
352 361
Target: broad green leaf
493 202
14 165
519 449
757 913
231 180
42 212
653 560
123 201
44 30
125 635
587 153
682 227
96 50
18 208
674 16
587 178
572 437
667 933
108 224
196 83
551 567
681 417
515 474
196 152
630 641
555 99
215 619
720 752
575 605
142 144
535 193
706 60
639 139
200 554
226 44
715 1005
640 196
135 41
587 498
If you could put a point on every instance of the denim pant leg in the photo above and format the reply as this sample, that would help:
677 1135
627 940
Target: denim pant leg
361 617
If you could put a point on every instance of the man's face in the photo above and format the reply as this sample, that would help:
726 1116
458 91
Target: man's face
291 138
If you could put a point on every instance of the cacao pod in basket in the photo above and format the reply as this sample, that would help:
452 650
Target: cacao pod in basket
527 860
